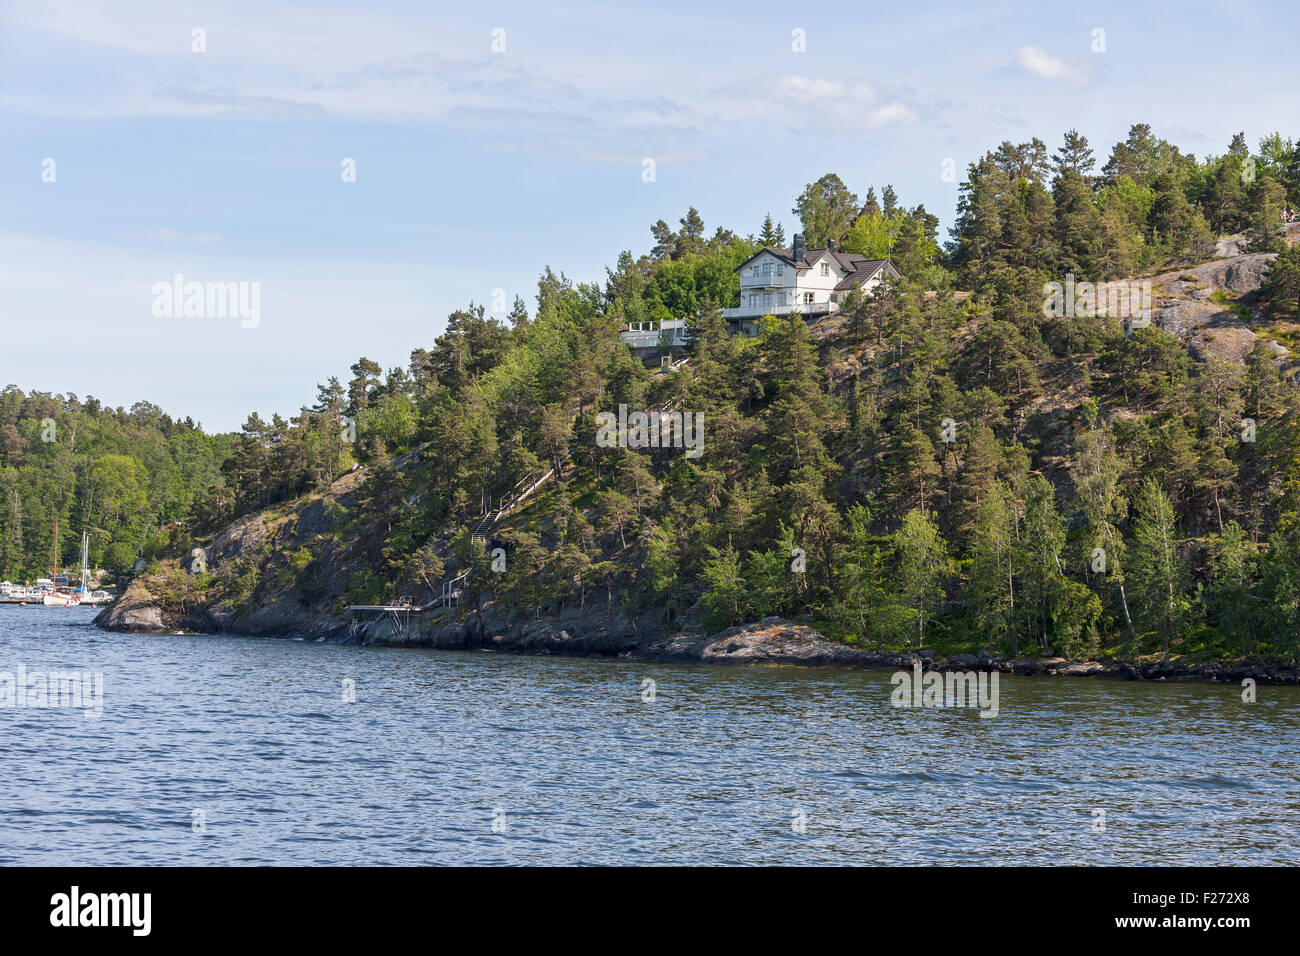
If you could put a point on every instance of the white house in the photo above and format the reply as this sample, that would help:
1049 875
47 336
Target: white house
811 281
650 340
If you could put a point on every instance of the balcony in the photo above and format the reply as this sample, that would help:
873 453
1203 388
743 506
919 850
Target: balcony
643 335
754 311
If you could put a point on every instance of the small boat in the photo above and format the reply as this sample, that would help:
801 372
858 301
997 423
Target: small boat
56 598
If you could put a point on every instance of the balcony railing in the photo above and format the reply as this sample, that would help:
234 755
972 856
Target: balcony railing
755 279
807 308
674 337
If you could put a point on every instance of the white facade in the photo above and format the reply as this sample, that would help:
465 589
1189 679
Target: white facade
770 285
670 333
774 282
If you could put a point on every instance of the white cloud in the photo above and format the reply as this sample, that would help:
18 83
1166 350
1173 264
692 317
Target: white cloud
1041 63
817 92
813 104
894 113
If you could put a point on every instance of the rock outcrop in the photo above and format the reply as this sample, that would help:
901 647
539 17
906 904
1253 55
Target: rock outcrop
1189 303
602 632
138 611
772 640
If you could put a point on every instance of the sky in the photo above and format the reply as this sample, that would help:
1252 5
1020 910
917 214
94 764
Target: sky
146 139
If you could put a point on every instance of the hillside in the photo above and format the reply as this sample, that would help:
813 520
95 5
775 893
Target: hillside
292 570
966 461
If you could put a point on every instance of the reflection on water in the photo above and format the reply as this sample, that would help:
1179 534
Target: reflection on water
243 751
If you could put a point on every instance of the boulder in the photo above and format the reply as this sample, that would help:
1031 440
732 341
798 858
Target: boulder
772 640
1026 665
134 611
1081 669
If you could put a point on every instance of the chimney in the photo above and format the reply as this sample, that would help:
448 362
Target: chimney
798 247
830 245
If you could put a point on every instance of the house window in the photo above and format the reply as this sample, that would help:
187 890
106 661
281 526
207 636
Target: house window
780 270
807 298
826 269
783 298
767 298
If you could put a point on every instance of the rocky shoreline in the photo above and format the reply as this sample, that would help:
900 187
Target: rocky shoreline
604 633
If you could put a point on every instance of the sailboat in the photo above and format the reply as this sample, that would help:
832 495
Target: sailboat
69 598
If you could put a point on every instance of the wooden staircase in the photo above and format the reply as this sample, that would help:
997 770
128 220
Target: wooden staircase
453 587
480 533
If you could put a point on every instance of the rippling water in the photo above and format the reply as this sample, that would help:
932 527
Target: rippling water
720 768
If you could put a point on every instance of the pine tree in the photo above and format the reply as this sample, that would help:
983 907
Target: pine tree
994 565
825 208
1074 155
888 202
1044 538
1232 594
1281 289
1078 225
871 207
1158 571
1096 483
923 567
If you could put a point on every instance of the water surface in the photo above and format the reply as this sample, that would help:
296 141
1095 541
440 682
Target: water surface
724 766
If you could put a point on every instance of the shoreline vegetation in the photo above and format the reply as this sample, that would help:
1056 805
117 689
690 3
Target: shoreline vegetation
957 460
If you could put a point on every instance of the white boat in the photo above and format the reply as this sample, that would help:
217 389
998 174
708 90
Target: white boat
66 597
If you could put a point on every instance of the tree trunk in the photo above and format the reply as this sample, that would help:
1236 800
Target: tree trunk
1128 619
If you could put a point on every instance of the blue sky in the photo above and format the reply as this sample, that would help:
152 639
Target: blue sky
476 169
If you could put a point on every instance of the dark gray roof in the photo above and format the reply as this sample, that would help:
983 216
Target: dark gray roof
859 268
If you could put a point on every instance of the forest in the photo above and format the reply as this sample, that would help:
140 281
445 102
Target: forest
942 464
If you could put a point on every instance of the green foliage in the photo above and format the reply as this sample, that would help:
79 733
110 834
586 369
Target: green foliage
923 567
726 600
926 468
1158 571
125 476
1280 292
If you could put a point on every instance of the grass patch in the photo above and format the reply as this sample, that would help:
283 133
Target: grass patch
1289 337
1230 304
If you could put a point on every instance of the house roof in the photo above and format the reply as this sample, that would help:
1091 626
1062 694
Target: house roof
858 268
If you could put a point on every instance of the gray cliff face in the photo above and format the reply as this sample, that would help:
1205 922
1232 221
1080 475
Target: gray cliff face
1185 304
601 632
